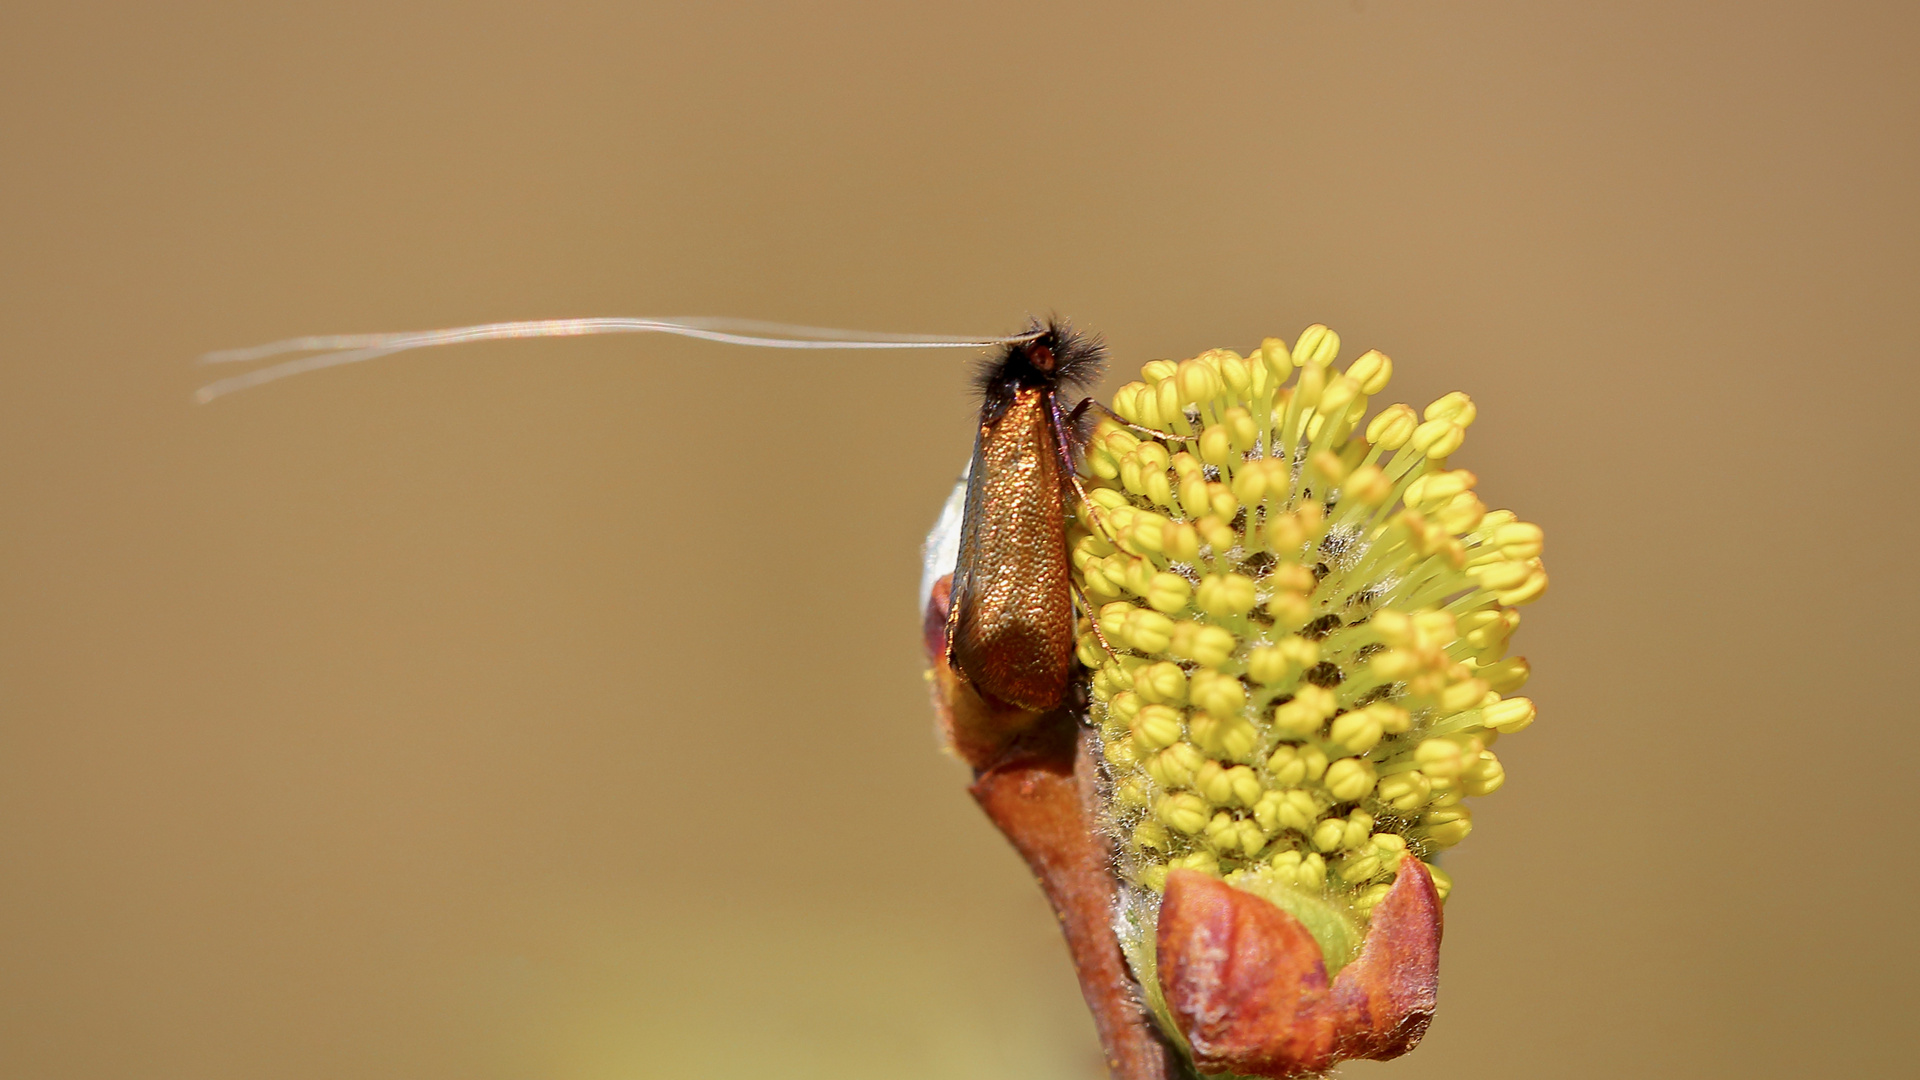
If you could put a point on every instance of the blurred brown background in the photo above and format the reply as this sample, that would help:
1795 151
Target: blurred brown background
554 709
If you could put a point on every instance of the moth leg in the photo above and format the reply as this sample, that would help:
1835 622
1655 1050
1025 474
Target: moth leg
1124 422
1063 442
1093 619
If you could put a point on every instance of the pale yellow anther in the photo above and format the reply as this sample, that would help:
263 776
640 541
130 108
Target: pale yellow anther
1371 371
1328 464
1158 487
1250 485
1368 486
1486 631
1204 861
1209 646
1397 664
1218 693
1226 596
1252 840
1176 766
1222 504
1330 835
1312 383
1439 758
1392 719
1431 491
1462 513
1313 871
1147 631
1216 447
1167 403
1233 837
1294 765
1356 732
1182 541
1146 532
1237 373
1518 539
1199 382
1132 793
1405 791
1360 867
1505 676
1089 548
1436 628
1483 775
1290 610
1099 586
1182 811
1508 715
1394 627
1155 372
1461 696
1317 346
1359 826
1217 534
1445 827
1134 572
1104 686
1121 752
1213 785
1194 500
1151 834
1155 878
1247 788
1296 809
1161 683
1242 431
1393 427
1456 407
1500 576
1286 864
1442 881
1356 411
1156 726
1168 593
1289 532
1304 713
1231 737
1339 393
1088 650
1277 358
1438 438
1153 457
1350 779
1292 576
1118 440
1370 898
1101 461
1496 519
1527 591
1126 401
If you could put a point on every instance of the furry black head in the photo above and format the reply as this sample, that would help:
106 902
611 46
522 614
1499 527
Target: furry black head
1053 357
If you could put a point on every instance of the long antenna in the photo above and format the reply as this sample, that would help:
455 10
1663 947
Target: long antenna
334 350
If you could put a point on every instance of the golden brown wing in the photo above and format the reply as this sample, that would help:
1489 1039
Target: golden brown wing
1010 630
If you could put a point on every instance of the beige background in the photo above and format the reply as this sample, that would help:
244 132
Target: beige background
554 710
